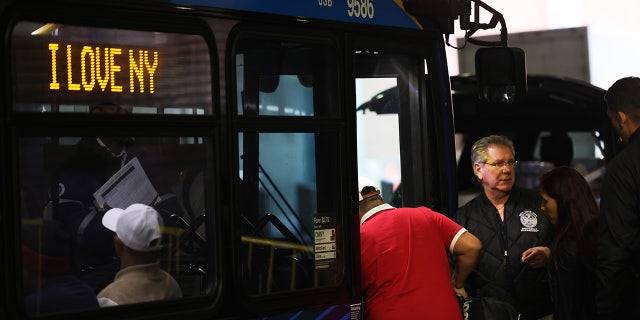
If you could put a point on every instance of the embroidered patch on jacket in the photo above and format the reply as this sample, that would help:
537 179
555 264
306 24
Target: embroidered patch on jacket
529 220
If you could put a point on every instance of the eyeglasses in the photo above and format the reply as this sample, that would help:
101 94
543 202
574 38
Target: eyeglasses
502 164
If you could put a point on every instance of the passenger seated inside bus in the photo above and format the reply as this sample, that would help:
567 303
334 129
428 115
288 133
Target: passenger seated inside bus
137 240
95 173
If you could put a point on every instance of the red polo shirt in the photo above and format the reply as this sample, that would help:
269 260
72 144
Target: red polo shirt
405 267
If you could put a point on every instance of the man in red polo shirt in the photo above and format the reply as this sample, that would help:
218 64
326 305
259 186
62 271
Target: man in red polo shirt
405 266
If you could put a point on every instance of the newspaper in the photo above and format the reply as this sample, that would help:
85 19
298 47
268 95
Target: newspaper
127 186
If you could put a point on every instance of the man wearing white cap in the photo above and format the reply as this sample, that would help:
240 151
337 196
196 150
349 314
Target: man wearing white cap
137 241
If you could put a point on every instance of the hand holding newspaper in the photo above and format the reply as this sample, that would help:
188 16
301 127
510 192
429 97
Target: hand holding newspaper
127 186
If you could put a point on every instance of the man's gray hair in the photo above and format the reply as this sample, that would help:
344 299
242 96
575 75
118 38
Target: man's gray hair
479 148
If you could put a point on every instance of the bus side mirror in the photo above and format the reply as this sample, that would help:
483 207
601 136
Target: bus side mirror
441 12
502 74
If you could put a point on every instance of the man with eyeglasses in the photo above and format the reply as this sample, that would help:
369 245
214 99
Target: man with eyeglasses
515 234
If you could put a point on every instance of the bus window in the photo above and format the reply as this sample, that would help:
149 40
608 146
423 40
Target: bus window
74 180
74 168
288 76
67 68
391 156
378 136
288 195
291 231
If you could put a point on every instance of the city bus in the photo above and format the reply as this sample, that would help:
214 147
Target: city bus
237 121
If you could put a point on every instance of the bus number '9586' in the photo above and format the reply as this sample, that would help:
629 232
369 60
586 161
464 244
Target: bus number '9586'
360 8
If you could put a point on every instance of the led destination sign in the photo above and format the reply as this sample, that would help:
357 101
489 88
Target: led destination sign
107 69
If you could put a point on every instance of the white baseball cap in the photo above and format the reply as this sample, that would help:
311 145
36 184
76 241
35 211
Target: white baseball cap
138 226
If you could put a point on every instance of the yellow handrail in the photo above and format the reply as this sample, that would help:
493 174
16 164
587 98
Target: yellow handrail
295 247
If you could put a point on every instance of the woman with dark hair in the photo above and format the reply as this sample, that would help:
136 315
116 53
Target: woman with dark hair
569 203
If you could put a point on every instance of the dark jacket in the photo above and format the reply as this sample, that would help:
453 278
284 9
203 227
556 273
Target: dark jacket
64 294
507 278
619 235
572 271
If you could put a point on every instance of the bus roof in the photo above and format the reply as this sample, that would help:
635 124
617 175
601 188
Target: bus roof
381 12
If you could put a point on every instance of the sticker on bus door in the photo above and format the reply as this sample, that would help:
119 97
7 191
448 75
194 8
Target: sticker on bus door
325 249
